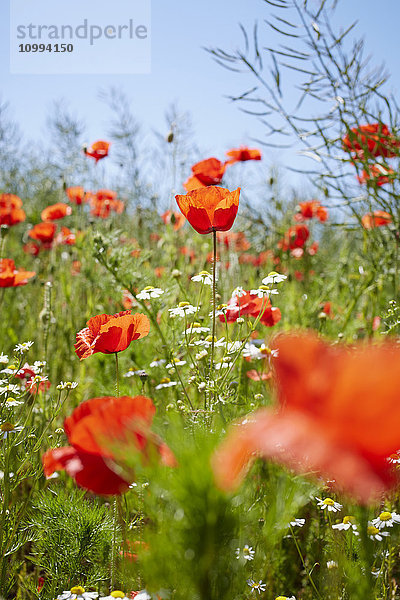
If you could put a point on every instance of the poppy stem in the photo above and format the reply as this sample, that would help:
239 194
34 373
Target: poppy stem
116 375
213 300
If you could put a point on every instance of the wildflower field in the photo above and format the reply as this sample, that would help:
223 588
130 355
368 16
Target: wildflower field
199 362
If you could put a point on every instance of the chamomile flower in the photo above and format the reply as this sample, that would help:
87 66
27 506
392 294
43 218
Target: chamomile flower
375 534
262 291
67 385
285 598
165 383
195 328
347 523
143 595
8 388
115 594
12 402
386 519
203 277
77 593
157 362
330 504
207 342
3 359
221 310
201 354
175 362
238 292
223 364
183 308
331 564
273 277
149 292
6 428
297 522
256 586
247 552
232 347
22 348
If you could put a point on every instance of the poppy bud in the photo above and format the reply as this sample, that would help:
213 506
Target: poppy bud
170 137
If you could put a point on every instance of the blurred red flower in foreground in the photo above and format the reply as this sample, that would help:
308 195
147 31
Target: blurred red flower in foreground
174 218
206 172
376 175
375 139
12 277
339 415
376 219
111 333
251 305
11 211
97 150
210 209
101 433
242 154
44 233
56 211
311 209
77 195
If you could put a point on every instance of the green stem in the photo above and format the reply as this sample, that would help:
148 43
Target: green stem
213 301
303 563
116 375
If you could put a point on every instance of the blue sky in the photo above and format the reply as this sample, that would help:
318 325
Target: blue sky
182 71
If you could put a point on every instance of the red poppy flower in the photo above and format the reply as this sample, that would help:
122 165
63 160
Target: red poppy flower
56 211
10 201
12 277
111 333
77 195
174 218
339 415
44 233
34 387
376 175
376 219
210 209
295 237
374 138
311 209
206 172
251 305
11 211
103 202
98 150
236 240
101 432
242 154
31 248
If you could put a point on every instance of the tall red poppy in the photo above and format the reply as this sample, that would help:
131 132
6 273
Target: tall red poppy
56 211
11 212
373 139
339 415
243 154
251 305
376 219
111 333
210 209
101 433
206 172
98 150
77 194
376 174
44 233
12 277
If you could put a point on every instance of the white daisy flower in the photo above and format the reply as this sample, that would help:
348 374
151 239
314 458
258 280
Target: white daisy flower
386 519
331 564
263 290
24 347
375 534
67 385
115 594
183 308
165 383
259 586
143 596
203 277
8 388
3 359
347 523
77 593
247 552
195 328
221 310
238 292
6 428
12 402
285 598
297 523
38 365
232 347
201 355
223 364
149 292
157 362
273 277
175 362
330 504
207 342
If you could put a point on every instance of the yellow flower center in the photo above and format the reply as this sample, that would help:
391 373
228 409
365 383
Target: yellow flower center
148 287
183 304
329 502
221 306
281 598
7 426
194 325
77 589
165 380
265 351
10 399
348 519
12 367
209 338
264 288
117 594
204 273
371 530
385 516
